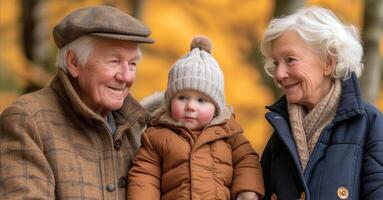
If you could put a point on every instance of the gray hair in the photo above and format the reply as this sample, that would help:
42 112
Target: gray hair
321 30
82 47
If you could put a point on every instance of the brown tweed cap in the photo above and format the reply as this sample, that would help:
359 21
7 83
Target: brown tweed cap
103 21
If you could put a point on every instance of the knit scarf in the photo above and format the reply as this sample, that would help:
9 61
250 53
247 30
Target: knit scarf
307 127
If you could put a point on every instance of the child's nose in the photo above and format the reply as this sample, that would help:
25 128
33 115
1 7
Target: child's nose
190 105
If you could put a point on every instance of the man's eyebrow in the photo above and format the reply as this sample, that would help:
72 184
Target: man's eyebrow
135 58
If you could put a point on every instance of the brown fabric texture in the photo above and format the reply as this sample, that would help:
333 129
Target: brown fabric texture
102 21
307 127
54 147
175 163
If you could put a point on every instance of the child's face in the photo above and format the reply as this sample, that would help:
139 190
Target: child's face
194 109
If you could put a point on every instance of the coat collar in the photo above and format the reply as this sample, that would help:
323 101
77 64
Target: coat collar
130 113
351 102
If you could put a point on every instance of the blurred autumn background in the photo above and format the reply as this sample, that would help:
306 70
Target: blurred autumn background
27 58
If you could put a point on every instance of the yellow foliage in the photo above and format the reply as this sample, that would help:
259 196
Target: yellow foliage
7 98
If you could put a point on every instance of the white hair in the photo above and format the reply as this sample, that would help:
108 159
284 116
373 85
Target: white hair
322 30
82 47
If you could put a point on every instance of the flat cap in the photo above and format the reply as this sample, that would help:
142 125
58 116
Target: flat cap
103 21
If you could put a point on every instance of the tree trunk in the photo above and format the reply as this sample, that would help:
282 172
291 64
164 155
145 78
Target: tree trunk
372 33
286 7
35 43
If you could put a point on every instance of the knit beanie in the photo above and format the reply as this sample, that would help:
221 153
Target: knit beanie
197 71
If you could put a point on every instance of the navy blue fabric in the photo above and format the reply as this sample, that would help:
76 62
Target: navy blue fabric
349 153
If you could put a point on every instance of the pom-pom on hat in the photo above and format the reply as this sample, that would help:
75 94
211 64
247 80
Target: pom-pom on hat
197 71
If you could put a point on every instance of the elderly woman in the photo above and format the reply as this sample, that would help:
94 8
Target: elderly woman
327 142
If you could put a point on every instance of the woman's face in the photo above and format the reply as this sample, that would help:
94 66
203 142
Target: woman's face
303 75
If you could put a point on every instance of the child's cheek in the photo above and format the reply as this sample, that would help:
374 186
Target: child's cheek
206 115
176 110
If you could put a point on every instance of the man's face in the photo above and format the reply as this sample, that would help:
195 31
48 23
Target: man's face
104 82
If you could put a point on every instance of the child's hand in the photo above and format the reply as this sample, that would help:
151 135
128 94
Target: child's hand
247 196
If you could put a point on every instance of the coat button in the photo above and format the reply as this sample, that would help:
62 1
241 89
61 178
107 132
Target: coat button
303 196
273 196
117 145
122 182
110 188
342 192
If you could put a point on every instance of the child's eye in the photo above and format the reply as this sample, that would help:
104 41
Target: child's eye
181 97
201 100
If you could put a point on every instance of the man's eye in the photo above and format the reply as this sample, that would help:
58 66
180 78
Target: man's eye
132 66
113 61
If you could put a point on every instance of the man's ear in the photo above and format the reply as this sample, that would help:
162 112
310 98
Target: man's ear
72 64
330 65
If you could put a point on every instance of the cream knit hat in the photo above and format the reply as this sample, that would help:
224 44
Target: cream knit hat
197 71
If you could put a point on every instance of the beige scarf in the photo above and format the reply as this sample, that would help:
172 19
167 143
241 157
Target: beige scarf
307 127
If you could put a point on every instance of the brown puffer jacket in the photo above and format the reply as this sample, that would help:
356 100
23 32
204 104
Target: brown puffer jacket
173 163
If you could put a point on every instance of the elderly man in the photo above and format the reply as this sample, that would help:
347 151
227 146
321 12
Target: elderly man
75 139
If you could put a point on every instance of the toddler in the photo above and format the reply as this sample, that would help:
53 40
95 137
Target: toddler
193 148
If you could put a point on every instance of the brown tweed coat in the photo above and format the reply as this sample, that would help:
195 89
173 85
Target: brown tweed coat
52 146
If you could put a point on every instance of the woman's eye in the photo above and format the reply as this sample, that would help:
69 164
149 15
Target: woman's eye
275 63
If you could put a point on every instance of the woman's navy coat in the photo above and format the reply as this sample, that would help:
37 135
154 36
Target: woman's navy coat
346 163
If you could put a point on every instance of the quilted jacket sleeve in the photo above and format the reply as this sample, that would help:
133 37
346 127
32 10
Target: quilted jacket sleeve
247 173
372 169
24 171
145 175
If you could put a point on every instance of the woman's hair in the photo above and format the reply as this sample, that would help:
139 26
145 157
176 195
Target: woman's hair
82 47
323 31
